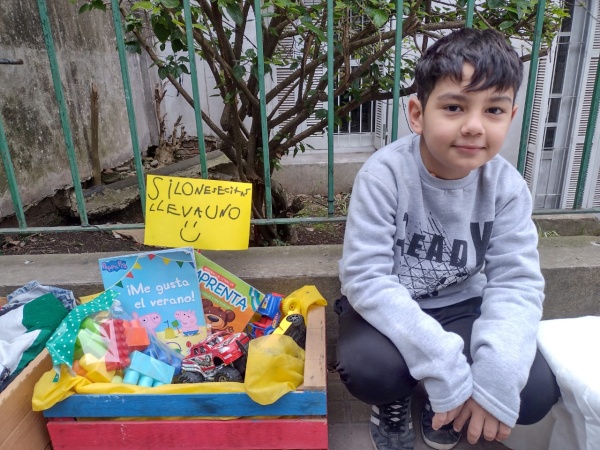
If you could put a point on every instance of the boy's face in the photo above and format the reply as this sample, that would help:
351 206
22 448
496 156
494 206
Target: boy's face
461 131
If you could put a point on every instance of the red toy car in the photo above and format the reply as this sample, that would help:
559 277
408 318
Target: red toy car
221 356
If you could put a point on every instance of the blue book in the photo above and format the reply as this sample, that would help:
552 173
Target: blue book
160 289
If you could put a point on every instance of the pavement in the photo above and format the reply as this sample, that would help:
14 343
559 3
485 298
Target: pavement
571 266
349 421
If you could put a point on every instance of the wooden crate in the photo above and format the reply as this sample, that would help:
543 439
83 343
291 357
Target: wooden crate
298 420
20 427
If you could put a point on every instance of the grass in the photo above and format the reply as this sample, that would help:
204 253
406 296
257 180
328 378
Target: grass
547 233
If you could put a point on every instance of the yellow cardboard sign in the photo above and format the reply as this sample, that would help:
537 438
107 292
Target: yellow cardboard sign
204 214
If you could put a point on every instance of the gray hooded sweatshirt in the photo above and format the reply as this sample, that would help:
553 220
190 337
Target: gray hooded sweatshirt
414 241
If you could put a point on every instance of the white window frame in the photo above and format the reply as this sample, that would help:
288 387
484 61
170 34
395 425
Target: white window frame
571 123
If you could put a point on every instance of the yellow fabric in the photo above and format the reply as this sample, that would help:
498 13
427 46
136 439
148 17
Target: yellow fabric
275 367
88 298
47 392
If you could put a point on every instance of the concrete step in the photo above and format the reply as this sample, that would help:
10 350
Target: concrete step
571 266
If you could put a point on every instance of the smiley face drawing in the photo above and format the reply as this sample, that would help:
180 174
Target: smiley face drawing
189 232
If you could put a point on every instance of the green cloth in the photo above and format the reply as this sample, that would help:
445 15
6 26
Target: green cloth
24 331
45 314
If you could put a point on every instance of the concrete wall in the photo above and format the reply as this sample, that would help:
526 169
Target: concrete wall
174 105
86 52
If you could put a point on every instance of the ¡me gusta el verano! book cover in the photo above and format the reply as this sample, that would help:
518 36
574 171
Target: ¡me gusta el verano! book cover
161 290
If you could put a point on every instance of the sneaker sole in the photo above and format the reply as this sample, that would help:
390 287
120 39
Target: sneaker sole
437 445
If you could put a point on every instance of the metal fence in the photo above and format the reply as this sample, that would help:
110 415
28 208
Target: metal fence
81 207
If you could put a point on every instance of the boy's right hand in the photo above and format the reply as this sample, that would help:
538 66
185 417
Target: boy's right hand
441 419
480 422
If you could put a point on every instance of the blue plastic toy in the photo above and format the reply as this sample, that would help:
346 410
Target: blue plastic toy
270 316
147 371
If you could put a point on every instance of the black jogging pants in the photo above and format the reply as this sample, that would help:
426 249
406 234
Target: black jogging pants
374 371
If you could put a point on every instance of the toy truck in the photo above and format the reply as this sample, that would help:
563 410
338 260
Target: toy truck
270 316
279 315
293 326
222 356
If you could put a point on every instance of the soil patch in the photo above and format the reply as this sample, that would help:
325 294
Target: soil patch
93 241
108 241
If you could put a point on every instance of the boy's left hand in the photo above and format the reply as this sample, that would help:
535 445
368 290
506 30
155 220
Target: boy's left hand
480 422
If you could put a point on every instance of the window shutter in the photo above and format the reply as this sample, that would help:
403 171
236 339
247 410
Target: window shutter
596 200
290 98
596 203
581 124
539 112
318 74
590 66
381 121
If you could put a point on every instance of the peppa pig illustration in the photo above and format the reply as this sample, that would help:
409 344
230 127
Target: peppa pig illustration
188 322
150 321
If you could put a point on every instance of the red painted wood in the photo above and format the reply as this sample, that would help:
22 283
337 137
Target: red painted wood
190 434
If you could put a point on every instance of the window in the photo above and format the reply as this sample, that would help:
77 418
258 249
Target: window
557 147
360 119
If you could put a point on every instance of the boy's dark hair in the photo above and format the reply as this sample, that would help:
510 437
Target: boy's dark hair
497 65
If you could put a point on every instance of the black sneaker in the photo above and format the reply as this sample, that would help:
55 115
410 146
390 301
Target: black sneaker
443 438
391 426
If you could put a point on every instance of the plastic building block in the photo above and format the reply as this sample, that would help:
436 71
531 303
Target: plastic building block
95 369
117 356
136 335
117 379
89 341
165 355
78 369
147 371
90 324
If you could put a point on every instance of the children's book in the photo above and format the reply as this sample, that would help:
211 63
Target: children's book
228 302
161 290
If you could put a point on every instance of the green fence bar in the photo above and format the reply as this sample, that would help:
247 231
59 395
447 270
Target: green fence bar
263 107
330 108
10 175
194 78
139 169
470 13
397 69
62 106
587 145
533 68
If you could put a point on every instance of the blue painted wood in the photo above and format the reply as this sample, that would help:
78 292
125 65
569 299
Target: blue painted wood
298 403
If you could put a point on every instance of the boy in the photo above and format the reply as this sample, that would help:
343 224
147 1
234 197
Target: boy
440 271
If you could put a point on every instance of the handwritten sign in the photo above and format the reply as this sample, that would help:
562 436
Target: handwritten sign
204 214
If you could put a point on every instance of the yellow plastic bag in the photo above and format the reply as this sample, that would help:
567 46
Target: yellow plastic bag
275 367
